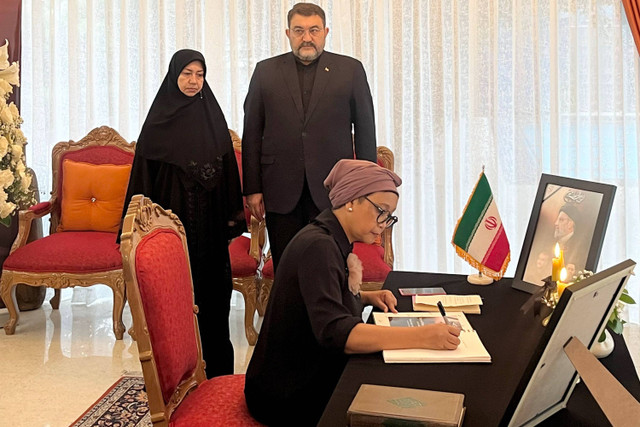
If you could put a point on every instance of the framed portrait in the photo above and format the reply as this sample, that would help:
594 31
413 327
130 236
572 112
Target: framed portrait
571 213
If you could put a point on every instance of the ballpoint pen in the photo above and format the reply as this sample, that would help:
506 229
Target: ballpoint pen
443 313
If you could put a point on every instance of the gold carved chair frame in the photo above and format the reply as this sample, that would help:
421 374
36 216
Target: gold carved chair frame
102 136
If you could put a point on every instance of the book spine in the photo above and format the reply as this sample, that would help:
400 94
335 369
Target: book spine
363 420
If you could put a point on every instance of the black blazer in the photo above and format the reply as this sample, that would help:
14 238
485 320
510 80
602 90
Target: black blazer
280 145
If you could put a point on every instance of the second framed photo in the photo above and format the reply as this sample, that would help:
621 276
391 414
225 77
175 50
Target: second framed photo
571 213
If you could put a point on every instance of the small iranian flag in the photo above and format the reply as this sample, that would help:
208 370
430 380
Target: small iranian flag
479 237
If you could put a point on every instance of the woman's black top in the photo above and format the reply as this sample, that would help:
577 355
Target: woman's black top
299 356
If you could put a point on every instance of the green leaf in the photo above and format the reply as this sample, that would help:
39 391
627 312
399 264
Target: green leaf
602 337
626 298
616 326
6 221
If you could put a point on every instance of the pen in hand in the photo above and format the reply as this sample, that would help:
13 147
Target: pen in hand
443 313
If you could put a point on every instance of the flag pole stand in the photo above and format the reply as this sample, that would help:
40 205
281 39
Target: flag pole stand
479 279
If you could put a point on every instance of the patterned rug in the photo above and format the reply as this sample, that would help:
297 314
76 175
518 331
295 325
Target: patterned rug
124 404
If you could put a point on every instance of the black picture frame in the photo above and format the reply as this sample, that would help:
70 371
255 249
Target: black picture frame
559 198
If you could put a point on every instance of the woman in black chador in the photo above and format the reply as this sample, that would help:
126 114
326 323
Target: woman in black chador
185 162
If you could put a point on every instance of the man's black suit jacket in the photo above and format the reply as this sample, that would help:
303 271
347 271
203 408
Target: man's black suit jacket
280 144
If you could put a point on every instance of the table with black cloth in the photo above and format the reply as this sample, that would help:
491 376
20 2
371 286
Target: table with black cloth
510 337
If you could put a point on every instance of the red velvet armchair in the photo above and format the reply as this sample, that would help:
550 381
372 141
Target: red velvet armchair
246 255
89 185
160 292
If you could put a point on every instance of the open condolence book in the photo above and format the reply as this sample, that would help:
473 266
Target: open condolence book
470 349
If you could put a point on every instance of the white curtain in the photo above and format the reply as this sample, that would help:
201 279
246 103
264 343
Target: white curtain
522 87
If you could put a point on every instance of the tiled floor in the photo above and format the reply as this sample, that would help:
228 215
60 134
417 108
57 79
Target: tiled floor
61 361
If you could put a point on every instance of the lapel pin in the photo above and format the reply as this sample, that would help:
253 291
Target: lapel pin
326 68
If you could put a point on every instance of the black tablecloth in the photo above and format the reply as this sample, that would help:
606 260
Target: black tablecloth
509 336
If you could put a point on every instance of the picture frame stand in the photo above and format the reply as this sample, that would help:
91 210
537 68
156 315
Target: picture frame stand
479 279
619 406
554 370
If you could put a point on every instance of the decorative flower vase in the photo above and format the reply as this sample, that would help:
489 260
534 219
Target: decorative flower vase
604 348
28 297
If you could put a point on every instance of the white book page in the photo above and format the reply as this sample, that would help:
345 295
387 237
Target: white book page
420 318
470 349
449 300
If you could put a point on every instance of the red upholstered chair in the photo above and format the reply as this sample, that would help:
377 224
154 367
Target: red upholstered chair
89 185
160 292
377 258
246 255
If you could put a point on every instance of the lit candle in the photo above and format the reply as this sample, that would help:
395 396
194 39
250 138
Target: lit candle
557 264
561 284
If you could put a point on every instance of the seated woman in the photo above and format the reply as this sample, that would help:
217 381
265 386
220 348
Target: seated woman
314 317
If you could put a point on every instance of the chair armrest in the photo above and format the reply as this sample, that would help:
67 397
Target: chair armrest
25 217
41 207
257 238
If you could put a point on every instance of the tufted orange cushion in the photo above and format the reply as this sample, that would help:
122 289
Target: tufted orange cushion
92 196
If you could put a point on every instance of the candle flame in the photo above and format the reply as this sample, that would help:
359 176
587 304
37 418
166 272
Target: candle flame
557 250
563 274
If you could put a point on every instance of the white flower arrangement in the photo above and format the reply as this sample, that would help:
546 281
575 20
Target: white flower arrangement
15 179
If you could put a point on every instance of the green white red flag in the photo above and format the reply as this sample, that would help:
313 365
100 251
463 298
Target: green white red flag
479 237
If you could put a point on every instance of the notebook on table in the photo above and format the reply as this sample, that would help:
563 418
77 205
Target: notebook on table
470 349
469 304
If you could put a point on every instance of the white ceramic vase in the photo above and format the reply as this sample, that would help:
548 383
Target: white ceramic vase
604 348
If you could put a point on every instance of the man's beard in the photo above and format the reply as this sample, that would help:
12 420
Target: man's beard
310 57
562 237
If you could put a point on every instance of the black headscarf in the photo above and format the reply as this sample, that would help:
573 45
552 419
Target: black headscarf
187 131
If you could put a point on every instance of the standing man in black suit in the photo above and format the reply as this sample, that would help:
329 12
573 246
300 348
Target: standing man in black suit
304 111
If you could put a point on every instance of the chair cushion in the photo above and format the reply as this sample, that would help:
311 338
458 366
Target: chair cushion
216 402
372 257
267 269
242 264
92 196
166 291
69 252
96 154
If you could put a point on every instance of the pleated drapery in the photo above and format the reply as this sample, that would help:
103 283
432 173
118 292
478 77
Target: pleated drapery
632 10
520 86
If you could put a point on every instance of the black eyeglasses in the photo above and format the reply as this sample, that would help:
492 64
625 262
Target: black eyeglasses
384 217
300 32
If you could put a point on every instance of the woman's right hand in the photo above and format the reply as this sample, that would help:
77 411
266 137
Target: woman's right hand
439 336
